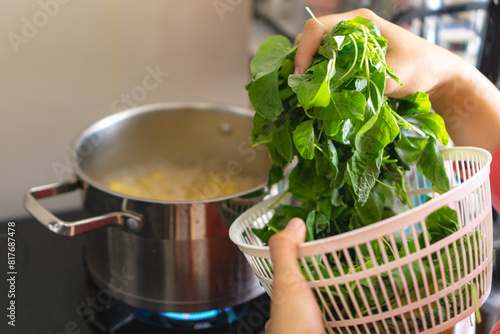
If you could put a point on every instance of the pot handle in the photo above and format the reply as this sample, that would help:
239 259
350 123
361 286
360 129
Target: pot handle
58 226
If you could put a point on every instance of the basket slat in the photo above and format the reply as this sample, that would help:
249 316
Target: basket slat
427 288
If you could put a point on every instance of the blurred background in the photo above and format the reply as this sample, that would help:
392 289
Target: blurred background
458 25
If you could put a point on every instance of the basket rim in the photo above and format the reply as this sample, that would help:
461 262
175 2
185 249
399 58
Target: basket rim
372 231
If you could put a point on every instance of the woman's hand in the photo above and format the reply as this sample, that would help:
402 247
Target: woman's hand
293 306
408 54
468 102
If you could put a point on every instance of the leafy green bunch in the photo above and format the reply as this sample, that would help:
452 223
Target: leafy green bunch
352 144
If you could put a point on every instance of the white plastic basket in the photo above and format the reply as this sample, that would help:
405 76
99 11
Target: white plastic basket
379 298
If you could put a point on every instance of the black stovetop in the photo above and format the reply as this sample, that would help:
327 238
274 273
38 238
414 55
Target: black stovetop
51 286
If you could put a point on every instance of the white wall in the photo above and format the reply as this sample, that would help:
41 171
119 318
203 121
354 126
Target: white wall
64 64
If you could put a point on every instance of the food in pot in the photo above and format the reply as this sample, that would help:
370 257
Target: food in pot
182 181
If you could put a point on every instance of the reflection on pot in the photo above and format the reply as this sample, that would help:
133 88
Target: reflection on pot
177 250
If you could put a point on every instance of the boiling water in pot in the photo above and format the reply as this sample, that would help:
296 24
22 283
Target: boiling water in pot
182 181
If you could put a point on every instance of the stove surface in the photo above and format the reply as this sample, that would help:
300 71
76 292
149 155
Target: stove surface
54 295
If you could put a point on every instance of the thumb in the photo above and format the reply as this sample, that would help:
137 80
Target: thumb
284 246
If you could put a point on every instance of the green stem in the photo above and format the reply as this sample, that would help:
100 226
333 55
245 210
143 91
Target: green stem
331 71
365 46
407 124
385 184
403 186
379 49
275 230
315 19
279 199
389 245
336 226
321 150
368 81
355 58
328 329
389 161
379 95
307 114
476 305
320 133
365 60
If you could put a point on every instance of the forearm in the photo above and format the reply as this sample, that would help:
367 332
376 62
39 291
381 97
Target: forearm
469 104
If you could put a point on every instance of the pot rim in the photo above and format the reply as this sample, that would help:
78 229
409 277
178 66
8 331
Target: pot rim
117 117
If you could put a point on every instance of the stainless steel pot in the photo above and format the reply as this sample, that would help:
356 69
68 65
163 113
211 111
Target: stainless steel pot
162 255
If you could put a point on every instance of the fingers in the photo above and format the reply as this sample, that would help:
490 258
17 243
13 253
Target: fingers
297 39
288 281
310 40
284 249
267 327
293 306
312 35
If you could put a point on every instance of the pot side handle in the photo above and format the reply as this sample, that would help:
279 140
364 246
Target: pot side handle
58 226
